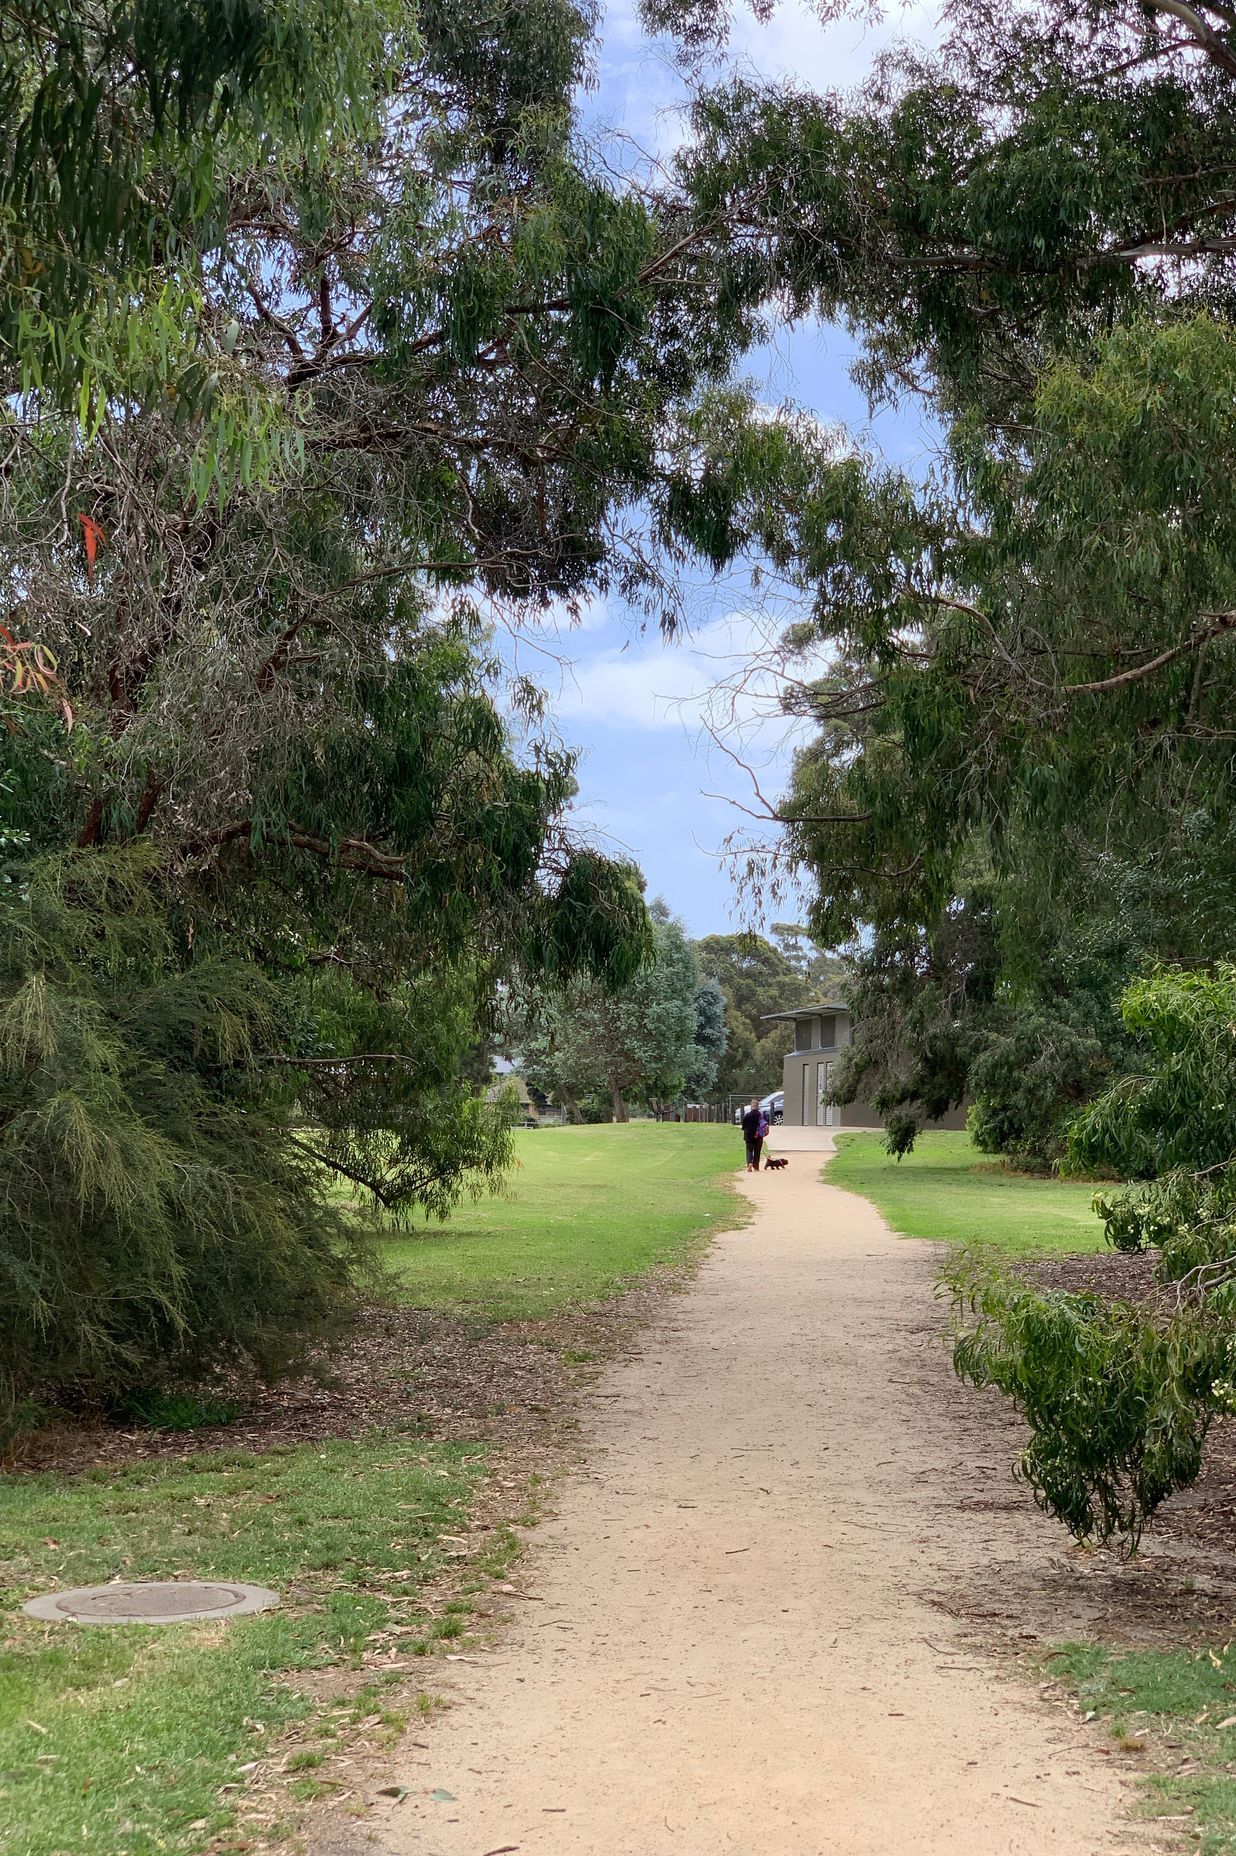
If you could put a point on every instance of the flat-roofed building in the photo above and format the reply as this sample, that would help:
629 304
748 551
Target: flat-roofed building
821 1033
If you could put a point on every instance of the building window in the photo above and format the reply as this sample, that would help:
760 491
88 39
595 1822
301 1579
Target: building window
828 1033
806 1095
803 1028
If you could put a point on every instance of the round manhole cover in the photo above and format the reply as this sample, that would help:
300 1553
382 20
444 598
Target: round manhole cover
166 1601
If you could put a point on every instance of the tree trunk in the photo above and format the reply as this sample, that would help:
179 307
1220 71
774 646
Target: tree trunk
620 1107
571 1106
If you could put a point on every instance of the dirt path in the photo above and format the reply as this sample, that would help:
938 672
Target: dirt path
727 1646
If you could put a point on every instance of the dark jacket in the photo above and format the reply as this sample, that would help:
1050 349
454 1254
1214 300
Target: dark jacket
751 1118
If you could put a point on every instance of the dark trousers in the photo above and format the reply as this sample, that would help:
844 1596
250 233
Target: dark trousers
754 1144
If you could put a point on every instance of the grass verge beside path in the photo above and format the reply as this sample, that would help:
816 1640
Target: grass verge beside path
587 1210
947 1190
132 1741
1179 1707
120 1739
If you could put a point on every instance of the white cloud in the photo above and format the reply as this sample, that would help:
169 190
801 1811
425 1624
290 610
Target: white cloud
725 677
631 686
835 55
590 614
642 95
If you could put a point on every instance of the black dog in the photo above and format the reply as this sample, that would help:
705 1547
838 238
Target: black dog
772 1165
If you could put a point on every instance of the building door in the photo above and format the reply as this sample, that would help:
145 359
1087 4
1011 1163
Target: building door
806 1120
827 1114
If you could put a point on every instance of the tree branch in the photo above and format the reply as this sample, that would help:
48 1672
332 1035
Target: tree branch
1203 33
345 1172
1221 622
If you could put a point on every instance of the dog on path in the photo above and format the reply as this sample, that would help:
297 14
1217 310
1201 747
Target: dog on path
774 1163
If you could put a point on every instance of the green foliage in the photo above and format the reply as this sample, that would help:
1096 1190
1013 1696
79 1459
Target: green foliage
1029 650
597 919
640 1040
183 1411
824 975
124 121
1172 1126
1181 1111
375 365
1119 1395
755 978
709 1041
1029 1075
155 1221
1118 1401
919 1001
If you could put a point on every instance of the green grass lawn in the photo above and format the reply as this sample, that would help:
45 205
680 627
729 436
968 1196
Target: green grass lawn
947 1190
129 1741
587 1210
119 1741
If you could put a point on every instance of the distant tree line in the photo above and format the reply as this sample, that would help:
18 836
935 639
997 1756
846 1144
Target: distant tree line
691 1027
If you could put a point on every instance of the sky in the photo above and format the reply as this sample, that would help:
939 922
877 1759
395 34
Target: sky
654 783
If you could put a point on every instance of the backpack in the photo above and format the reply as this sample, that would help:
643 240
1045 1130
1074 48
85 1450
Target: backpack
761 1132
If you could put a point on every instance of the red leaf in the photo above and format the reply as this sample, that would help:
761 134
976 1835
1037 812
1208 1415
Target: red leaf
94 538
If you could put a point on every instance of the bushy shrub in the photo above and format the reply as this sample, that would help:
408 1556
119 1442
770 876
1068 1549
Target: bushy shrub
1029 1077
1118 1399
1119 1395
157 1219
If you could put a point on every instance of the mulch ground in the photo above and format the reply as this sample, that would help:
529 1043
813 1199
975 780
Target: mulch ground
453 1380
1178 1589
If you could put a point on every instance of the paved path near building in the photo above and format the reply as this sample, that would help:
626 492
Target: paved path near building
727 1648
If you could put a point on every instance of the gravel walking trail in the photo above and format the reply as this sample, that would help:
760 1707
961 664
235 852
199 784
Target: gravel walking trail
727 1643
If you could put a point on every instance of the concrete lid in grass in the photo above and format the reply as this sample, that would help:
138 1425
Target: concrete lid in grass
163 1601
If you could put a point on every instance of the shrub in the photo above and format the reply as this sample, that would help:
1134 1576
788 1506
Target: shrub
155 1221
1028 1079
1118 1399
1119 1395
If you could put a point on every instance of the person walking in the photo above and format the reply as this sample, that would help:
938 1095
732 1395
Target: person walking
754 1128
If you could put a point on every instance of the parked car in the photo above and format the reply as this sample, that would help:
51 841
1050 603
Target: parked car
773 1106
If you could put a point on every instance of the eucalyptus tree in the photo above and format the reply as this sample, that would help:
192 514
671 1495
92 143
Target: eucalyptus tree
405 375
1031 230
756 979
107 167
709 1043
1026 719
645 1041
